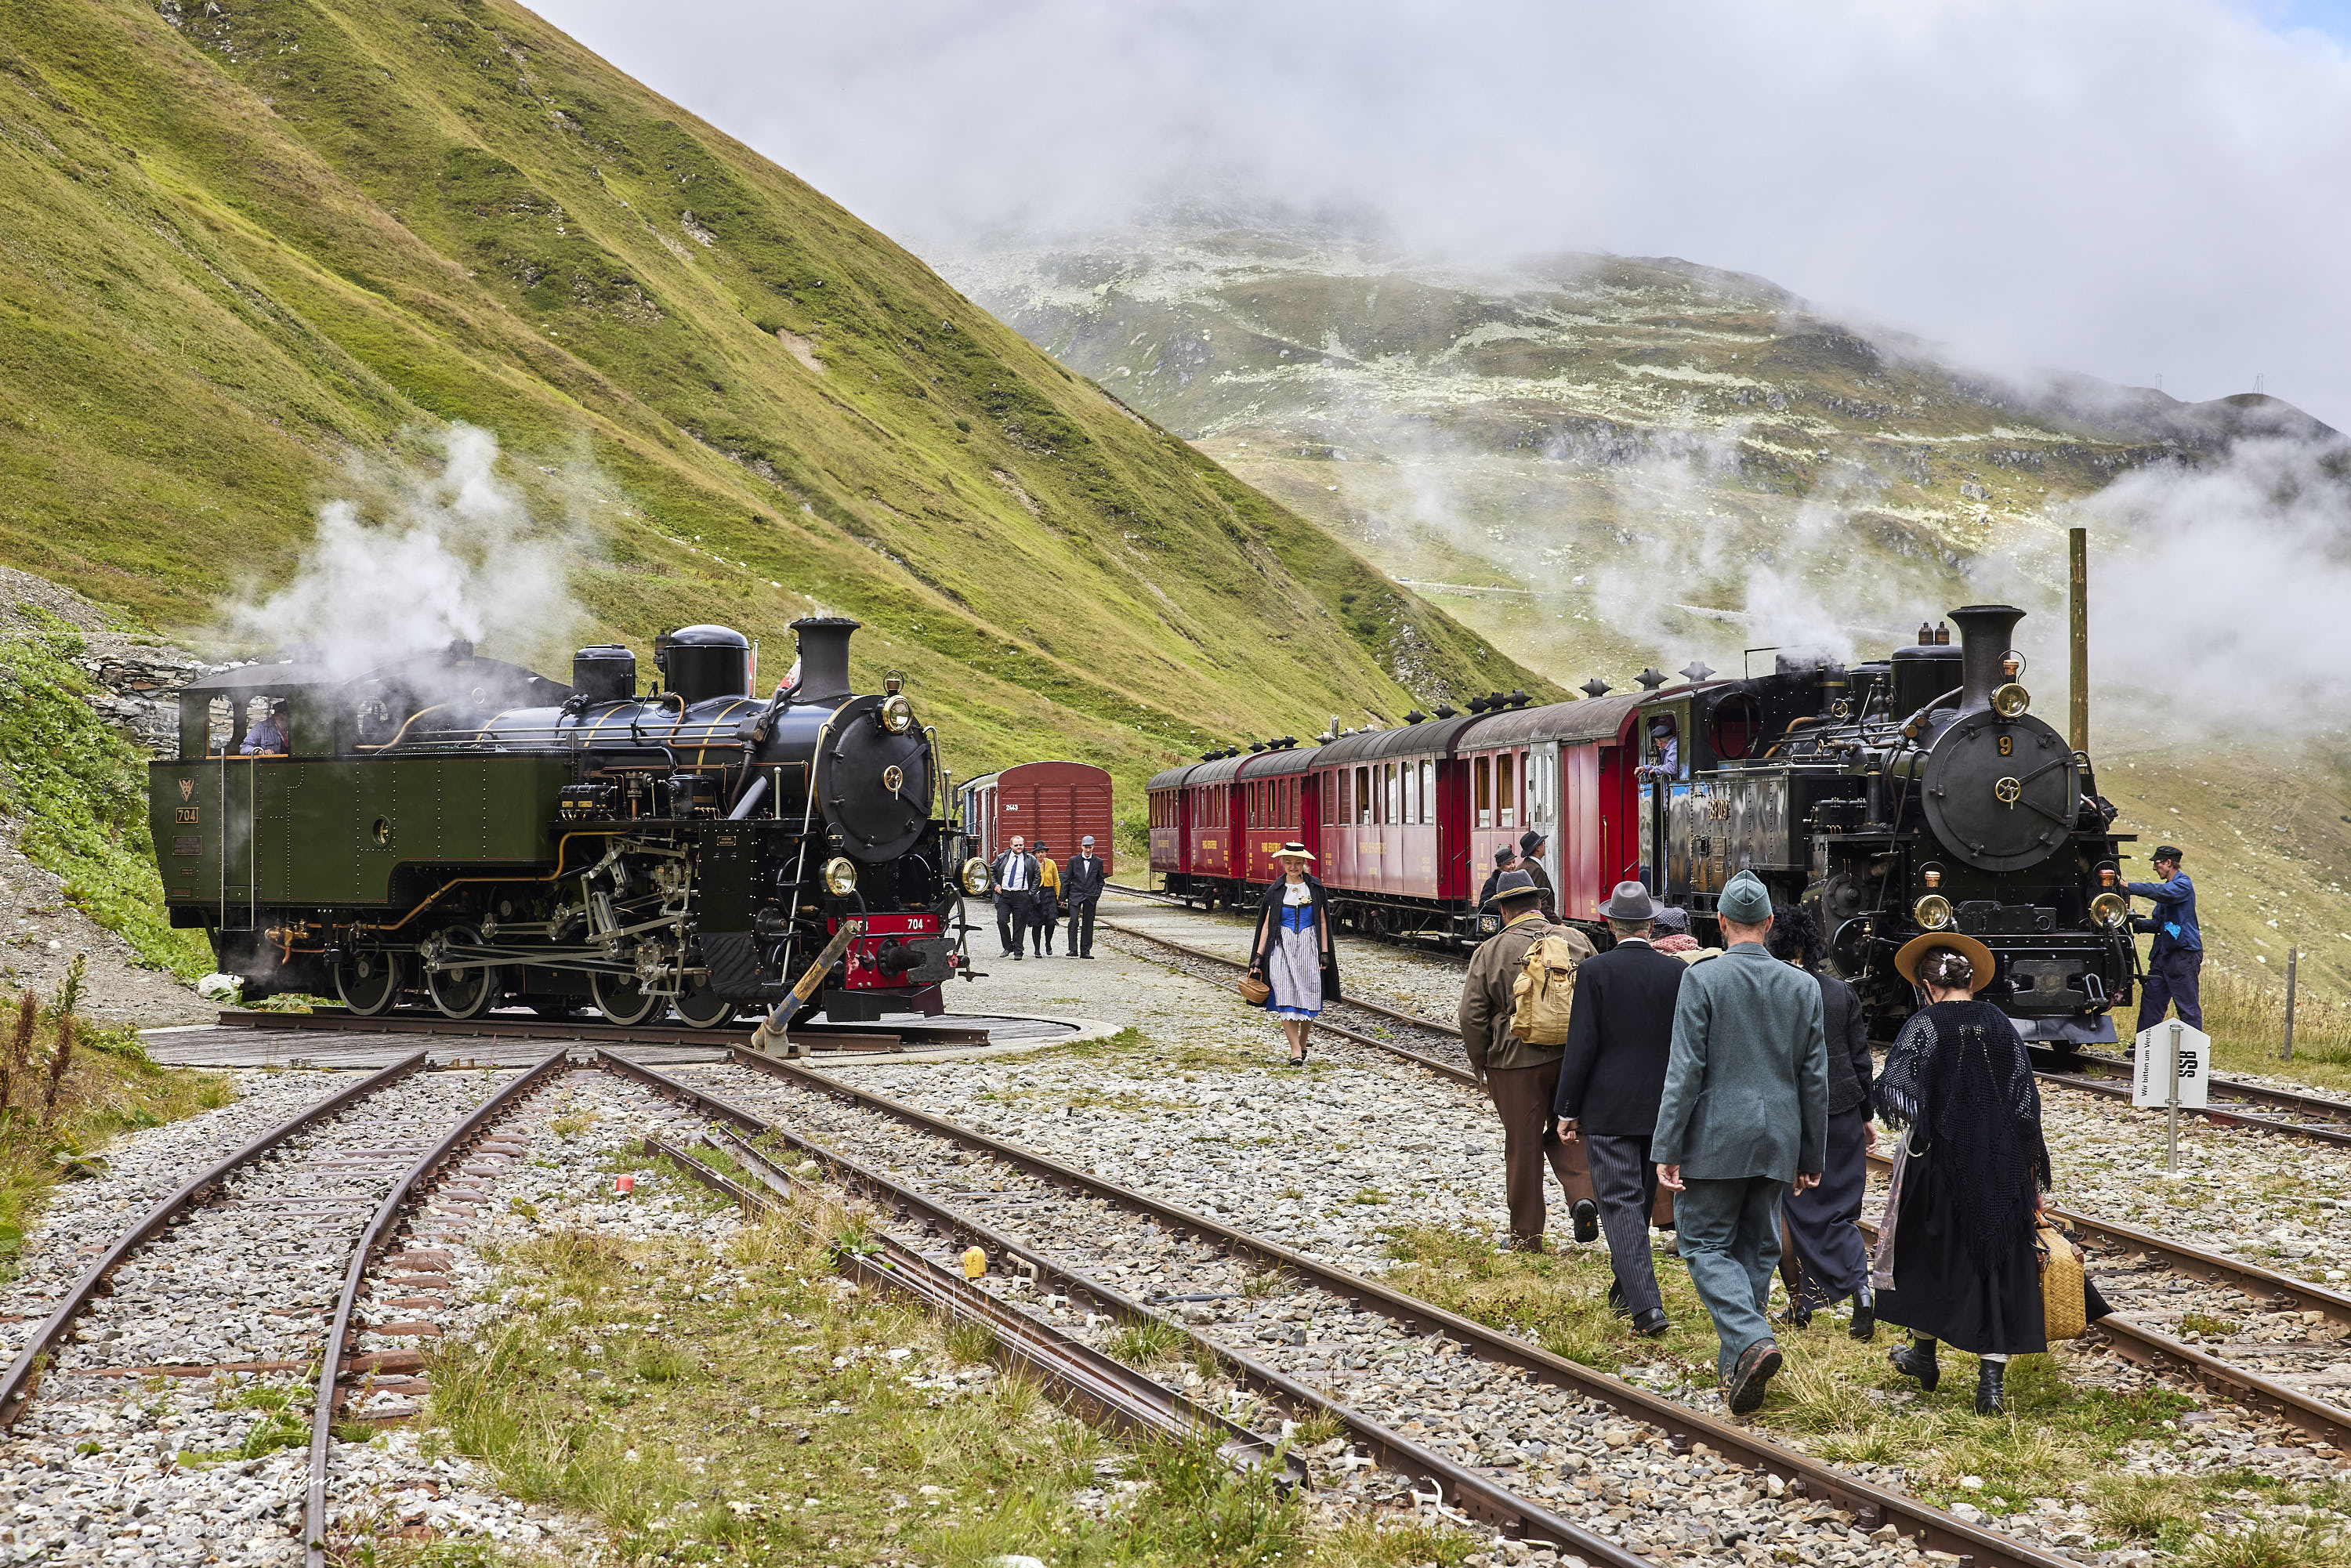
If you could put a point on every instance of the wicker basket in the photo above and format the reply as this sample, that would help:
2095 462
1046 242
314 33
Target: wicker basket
2064 1301
1253 990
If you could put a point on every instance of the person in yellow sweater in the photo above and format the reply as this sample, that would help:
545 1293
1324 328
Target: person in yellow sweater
1048 898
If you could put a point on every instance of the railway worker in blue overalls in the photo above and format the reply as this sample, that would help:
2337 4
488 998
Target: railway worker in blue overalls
2175 965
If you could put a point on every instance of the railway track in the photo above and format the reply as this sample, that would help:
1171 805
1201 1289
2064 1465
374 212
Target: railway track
281 1210
1499 1427
341 1152
2309 1117
2136 1262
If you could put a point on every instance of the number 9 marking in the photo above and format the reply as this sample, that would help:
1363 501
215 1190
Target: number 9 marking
2007 745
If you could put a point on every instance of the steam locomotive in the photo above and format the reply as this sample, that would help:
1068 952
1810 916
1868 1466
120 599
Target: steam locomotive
1914 793
455 829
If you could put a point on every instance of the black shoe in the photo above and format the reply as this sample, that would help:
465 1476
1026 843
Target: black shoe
1917 1361
1653 1323
1990 1387
1752 1374
1864 1314
1587 1219
1616 1301
1085 955
1018 956
1796 1317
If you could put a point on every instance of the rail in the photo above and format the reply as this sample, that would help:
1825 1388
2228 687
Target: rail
16 1388
1807 1476
380 1230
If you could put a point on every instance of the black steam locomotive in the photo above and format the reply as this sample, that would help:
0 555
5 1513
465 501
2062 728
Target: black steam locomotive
1926 797
455 829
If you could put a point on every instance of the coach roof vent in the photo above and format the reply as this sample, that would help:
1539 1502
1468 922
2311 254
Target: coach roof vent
1596 688
1651 678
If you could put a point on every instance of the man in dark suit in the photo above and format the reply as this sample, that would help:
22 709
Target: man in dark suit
1014 871
1082 889
1618 1039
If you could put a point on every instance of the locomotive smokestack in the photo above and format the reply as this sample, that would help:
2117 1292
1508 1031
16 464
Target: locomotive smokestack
1984 633
824 657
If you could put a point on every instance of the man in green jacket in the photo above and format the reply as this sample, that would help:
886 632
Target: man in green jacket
1745 1113
1522 1078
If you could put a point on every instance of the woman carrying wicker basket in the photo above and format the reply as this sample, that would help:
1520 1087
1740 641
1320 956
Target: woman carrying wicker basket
1961 1252
1291 960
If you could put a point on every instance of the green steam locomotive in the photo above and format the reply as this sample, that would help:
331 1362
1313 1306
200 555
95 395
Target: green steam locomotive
452 830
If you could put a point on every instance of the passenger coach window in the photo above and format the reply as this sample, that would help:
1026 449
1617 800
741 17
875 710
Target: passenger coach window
1363 795
1411 793
1483 771
1506 768
1329 794
1429 791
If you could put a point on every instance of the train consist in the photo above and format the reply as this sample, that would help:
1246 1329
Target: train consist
453 829
1908 794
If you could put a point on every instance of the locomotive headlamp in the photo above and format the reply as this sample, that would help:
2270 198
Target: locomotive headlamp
2011 701
840 876
2106 877
2110 910
1932 876
897 713
974 876
1933 913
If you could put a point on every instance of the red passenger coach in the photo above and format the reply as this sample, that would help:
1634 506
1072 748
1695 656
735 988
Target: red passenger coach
1060 802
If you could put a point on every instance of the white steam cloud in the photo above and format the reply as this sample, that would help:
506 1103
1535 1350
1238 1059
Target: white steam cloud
423 555
2222 594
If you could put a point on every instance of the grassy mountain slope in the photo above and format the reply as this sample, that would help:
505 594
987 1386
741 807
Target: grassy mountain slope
246 240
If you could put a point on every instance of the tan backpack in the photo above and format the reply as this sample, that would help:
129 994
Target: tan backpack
1545 990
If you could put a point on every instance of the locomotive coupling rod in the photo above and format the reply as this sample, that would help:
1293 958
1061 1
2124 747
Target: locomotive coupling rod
770 1032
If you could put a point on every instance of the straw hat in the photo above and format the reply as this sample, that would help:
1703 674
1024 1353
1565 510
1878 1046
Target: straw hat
1293 850
1979 957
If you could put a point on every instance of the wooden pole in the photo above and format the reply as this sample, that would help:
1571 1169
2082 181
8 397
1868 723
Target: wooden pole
2077 547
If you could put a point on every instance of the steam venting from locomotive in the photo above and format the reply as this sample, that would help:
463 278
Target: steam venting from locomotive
422 555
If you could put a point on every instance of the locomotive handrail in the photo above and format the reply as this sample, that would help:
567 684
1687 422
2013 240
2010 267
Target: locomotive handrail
460 881
402 731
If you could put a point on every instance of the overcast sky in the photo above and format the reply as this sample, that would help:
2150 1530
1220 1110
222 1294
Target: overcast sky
2132 188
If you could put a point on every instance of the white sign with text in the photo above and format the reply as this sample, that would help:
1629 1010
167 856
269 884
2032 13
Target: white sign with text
2152 1086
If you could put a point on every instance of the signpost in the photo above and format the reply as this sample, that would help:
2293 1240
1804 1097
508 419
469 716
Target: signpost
2173 1063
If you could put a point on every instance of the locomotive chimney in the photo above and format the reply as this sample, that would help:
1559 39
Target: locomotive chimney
824 657
1984 633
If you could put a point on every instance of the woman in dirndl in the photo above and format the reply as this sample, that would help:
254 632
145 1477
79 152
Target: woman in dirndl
1292 951
1956 1261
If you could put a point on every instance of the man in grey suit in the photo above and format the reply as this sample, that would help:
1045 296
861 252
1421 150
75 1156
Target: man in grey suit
1744 1113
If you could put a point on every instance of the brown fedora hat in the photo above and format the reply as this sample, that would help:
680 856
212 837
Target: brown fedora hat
1979 957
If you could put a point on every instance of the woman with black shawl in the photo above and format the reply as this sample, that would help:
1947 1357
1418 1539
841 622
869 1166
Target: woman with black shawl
1955 1259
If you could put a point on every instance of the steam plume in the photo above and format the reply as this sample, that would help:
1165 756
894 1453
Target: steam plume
423 554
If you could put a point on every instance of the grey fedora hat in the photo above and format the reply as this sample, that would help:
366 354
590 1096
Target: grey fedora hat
1515 884
1630 901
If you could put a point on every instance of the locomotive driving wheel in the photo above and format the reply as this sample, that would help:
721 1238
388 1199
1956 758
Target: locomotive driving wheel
622 998
703 1007
469 992
370 983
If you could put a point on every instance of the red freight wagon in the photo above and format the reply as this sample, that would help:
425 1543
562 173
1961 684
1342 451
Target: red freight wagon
1058 802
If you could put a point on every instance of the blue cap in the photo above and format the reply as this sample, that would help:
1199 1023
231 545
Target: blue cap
1745 900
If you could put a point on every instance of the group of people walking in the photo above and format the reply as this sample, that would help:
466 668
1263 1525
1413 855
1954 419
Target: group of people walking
1033 893
1728 1095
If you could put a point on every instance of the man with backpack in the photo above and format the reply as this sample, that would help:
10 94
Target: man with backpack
1515 1005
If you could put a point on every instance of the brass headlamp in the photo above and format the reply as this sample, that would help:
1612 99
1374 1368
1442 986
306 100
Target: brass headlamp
1933 913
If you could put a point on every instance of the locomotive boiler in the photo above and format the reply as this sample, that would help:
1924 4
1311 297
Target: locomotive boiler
456 831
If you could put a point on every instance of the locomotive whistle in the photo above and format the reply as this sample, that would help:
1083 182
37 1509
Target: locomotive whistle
770 1031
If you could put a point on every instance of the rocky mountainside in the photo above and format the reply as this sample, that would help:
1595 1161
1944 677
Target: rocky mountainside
1602 462
252 246
1598 461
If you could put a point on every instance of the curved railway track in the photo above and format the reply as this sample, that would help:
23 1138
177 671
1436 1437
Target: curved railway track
444 1160
1087 1253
